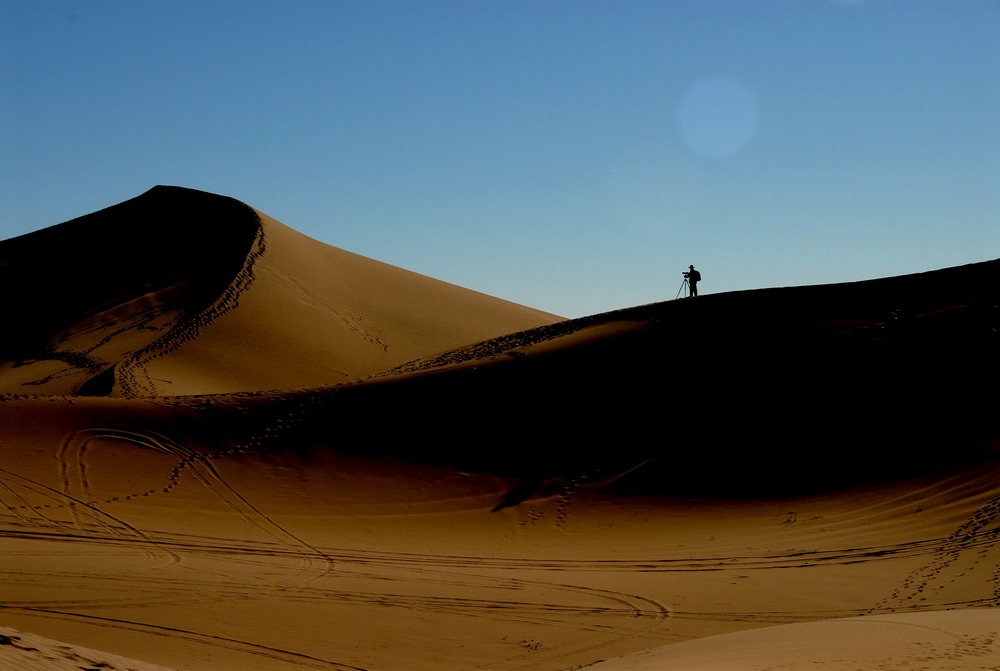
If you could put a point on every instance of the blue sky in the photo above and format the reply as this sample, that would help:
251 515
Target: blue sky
574 156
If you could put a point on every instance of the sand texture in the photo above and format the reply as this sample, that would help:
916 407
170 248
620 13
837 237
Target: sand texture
29 652
228 446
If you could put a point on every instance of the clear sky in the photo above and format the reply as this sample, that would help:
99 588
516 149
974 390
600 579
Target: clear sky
570 155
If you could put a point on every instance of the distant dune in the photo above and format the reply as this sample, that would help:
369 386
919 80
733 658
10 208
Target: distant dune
229 446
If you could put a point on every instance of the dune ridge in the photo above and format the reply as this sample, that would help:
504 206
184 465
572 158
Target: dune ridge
293 457
880 372
132 376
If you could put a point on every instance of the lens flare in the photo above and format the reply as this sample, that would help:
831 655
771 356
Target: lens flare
717 117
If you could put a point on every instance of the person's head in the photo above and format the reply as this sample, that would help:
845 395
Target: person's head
691 267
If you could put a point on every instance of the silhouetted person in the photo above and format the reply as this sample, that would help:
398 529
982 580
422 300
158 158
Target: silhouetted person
693 277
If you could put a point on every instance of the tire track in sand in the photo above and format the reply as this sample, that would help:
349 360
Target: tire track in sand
86 517
73 470
85 513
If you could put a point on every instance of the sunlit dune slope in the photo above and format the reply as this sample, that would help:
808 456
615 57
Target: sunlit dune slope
180 292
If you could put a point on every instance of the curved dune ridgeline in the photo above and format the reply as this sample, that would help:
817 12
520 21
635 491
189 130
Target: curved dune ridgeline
226 445
125 281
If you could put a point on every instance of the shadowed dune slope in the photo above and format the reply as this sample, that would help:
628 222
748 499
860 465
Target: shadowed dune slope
776 392
181 292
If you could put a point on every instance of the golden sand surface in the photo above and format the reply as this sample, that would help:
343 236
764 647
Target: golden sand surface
272 454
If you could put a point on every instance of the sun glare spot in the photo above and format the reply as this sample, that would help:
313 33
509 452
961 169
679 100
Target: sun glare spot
717 117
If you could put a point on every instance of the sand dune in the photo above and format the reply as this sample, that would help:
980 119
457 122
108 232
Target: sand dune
142 298
787 478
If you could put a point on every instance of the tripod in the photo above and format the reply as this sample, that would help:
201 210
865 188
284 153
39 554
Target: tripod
684 286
